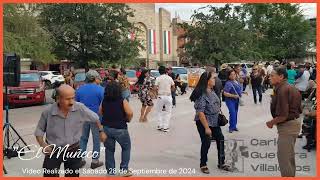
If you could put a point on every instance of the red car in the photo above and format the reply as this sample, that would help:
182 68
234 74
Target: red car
30 91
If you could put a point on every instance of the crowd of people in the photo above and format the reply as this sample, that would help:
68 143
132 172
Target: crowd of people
102 107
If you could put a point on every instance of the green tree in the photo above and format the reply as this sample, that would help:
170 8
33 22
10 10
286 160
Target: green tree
218 36
91 32
249 32
280 31
24 35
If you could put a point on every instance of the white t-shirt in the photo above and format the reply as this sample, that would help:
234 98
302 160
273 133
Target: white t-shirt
302 82
269 69
164 83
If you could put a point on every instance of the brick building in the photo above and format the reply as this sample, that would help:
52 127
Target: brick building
156 33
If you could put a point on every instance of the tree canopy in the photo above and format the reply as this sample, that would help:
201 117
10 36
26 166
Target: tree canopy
248 32
24 35
91 32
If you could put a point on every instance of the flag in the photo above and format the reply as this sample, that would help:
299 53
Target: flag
166 42
152 41
131 35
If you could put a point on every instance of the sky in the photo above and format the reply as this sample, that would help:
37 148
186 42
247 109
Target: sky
185 10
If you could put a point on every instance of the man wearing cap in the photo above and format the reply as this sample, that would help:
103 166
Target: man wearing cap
91 95
223 76
62 123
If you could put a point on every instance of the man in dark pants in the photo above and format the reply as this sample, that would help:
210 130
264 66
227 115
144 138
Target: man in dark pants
256 81
285 110
223 76
62 123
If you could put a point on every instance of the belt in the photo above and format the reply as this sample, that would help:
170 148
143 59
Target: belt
290 119
74 146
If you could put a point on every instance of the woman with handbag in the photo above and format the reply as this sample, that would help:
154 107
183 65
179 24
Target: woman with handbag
232 92
207 106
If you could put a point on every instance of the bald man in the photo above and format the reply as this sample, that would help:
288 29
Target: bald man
62 123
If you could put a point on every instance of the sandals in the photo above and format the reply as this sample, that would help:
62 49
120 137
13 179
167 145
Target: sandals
205 170
225 167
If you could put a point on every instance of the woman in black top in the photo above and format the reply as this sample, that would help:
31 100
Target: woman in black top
256 82
116 114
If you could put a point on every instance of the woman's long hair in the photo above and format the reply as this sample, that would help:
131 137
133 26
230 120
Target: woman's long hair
142 77
112 91
201 86
229 73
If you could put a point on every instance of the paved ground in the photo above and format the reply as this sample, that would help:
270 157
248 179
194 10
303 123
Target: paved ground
177 153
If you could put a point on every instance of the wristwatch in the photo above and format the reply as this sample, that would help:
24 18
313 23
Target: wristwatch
101 130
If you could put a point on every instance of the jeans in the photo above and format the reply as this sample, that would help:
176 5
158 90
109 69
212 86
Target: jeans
206 142
233 106
255 90
173 94
164 116
95 135
122 137
126 94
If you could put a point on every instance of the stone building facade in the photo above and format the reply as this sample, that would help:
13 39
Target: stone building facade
156 34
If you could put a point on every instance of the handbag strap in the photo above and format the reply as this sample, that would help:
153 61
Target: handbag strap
234 89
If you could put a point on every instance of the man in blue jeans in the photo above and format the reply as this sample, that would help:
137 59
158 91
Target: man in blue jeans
91 95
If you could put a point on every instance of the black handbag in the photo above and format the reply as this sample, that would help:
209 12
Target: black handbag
222 120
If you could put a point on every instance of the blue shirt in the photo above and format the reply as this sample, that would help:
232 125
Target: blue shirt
233 87
209 104
91 95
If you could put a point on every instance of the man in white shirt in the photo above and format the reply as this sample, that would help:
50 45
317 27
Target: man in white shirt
269 68
164 85
302 79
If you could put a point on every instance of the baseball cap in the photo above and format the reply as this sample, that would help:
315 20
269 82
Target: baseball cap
92 75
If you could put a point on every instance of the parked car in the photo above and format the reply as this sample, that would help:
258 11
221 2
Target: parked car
194 74
30 91
50 77
154 73
183 72
79 79
131 74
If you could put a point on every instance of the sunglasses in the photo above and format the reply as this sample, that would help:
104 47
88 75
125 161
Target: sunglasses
254 69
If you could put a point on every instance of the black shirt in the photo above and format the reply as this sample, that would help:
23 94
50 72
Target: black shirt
114 115
223 76
256 80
